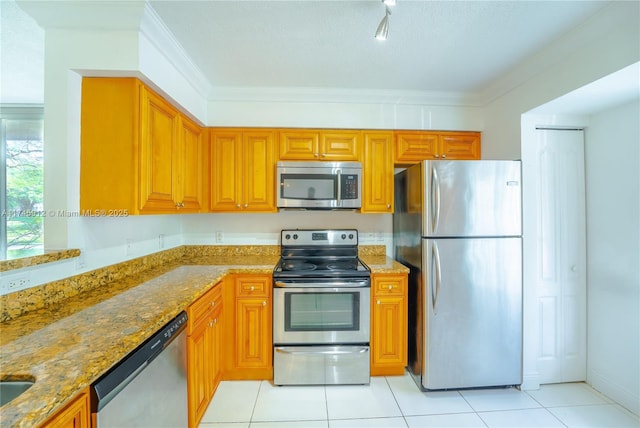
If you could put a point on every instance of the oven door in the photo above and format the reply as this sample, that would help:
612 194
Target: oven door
320 315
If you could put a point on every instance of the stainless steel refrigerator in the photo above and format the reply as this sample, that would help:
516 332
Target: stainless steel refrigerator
457 226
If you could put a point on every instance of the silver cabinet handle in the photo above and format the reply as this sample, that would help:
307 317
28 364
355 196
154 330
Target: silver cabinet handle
252 288
378 302
264 303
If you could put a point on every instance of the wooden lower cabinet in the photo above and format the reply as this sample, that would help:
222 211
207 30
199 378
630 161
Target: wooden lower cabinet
204 334
388 324
76 414
248 350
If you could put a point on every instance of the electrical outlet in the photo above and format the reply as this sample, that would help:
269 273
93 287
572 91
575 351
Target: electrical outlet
161 241
219 237
18 283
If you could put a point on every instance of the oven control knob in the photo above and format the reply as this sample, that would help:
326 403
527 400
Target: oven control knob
351 236
344 236
287 236
295 236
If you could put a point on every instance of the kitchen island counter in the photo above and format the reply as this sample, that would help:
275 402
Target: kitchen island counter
66 346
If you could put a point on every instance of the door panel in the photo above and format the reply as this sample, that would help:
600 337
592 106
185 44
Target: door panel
473 322
561 267
471 198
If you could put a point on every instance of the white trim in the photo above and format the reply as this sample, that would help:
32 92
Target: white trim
331 95
155 30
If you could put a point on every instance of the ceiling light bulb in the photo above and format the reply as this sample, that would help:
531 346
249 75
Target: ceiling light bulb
383 27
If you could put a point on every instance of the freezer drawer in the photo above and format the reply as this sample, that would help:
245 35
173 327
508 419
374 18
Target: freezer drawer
473 306
320 365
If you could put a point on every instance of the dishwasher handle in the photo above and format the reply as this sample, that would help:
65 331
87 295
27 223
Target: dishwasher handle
130 366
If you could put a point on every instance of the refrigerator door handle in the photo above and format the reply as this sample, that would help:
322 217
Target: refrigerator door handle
435 199
435 284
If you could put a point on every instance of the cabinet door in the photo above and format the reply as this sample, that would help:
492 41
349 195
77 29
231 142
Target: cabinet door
190 177
298 144
258 171
340 145
159 140
389 325
226 155
253 333
414 146
459 145
198 354
74 415
215 356
377 189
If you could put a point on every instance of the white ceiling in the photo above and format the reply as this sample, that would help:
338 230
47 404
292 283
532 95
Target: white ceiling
455 47
460 49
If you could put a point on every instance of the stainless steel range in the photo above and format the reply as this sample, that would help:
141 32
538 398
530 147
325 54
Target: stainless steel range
321 309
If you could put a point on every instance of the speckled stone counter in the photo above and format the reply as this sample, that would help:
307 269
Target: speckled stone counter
47 256
67 344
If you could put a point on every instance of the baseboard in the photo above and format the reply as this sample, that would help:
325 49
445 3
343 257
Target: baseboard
530 381
615 392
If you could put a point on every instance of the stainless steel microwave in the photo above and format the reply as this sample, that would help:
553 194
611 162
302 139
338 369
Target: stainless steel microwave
319 185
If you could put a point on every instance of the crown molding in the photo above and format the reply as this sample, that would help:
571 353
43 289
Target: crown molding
340 95
155 30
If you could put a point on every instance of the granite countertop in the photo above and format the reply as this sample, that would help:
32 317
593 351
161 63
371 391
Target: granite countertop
66 347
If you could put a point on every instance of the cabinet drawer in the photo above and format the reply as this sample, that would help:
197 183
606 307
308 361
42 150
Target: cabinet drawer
252 288
201 308
388 286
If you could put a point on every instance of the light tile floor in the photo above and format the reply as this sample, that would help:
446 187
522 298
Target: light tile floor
395 401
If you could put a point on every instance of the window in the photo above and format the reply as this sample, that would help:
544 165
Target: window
21 192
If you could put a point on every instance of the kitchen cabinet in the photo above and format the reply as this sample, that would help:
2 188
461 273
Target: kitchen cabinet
249 350
388 324
377 169
139 154
414 146
203 352
75 414
323 145
242 170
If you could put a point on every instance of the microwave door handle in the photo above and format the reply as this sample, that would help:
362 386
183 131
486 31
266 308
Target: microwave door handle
339 198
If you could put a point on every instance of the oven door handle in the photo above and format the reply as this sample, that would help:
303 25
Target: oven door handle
333 284
351 350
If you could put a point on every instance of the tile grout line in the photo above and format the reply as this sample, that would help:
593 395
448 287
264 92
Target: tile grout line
404 418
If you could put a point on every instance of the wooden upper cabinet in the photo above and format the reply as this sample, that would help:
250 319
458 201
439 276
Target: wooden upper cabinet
323 145
139 154
159 144
377 169
191 155
414 146
459 145
242 170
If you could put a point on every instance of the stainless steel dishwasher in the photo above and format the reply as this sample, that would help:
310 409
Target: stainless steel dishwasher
148 388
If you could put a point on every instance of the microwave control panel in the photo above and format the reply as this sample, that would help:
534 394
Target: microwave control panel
349 186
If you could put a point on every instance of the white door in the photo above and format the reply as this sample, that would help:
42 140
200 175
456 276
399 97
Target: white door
561 258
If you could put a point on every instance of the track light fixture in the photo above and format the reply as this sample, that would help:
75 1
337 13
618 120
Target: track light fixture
383 28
